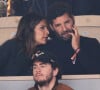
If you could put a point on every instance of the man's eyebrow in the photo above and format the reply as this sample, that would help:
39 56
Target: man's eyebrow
67 21
58 24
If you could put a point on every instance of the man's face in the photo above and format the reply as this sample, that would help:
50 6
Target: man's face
61 25
42 72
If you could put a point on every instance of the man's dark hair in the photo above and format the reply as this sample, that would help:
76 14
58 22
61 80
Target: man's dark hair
58 9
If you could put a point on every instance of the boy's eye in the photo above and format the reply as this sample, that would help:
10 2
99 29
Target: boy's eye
42 65
34 67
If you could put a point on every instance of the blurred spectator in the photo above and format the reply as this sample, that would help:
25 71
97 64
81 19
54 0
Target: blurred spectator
79 7
86 7
3 6
18 7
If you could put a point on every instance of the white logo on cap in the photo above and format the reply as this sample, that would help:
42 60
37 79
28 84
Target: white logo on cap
39 53
51 60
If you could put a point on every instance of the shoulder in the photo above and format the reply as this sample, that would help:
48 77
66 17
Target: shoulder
10 45
88 39
32 88
61 86
9 42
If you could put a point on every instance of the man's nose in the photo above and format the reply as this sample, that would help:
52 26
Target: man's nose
64 28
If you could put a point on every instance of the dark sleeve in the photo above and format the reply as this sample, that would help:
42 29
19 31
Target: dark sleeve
13 60
5 52
89 56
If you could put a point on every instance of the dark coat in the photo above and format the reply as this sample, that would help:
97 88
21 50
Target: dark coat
13 60
87 61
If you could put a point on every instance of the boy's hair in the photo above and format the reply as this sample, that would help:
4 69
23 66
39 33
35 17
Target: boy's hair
47 57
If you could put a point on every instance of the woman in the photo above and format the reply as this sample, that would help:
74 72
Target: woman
15 54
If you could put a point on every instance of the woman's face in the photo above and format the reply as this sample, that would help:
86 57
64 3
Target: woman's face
41 32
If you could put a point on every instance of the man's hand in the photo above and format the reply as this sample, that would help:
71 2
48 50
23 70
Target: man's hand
75 39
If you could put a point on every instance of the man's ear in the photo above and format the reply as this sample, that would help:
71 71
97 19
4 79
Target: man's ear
55 72
51 27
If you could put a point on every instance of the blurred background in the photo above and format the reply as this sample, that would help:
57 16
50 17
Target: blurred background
21 7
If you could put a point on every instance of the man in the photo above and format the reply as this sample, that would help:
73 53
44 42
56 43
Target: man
46 72
76 54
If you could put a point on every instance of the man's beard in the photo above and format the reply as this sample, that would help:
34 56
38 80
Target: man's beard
61 37
44 82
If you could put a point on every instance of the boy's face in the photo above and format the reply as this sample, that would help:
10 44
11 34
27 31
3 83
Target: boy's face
42 72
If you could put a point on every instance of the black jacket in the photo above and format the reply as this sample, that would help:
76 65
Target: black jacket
87 61
13 60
